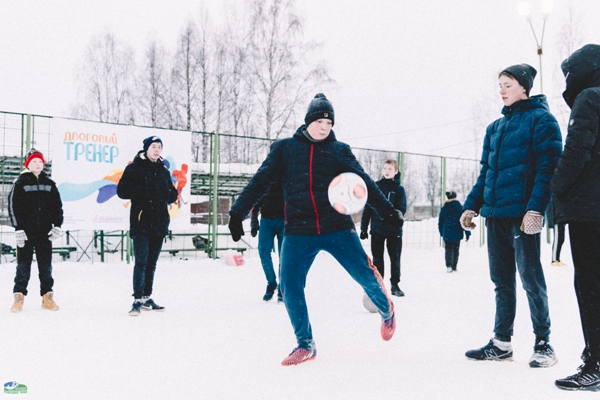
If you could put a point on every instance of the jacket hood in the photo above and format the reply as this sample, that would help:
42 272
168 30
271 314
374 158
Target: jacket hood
143 159
537 101
582 71
452 204
299 135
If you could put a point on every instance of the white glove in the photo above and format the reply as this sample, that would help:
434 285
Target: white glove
21 237
466 220
54 233
532 222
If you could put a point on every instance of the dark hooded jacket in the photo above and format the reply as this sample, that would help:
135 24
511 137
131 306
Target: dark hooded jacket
576 182
306 168
34 204
395 194
520 153
449 222
149 187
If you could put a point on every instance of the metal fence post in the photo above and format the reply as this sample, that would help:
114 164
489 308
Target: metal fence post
215 196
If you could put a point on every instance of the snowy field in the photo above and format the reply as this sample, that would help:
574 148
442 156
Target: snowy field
219 340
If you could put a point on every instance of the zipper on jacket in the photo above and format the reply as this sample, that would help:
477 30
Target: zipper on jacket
310 188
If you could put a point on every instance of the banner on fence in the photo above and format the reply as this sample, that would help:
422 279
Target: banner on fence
87 163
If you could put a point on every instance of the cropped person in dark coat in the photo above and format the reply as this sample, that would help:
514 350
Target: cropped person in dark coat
558 235
520 152
147 182
306 164
450 230
381 232
576 189
271 226
35 211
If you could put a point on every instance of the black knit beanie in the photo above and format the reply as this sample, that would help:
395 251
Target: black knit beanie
523 73
319 108
151 139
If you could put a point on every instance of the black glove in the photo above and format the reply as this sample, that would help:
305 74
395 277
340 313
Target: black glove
364 235
467 238
236 228
395 219
254 231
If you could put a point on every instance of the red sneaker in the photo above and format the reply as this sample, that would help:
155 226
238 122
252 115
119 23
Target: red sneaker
299 355
388 327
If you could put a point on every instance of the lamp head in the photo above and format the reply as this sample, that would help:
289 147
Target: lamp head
524 9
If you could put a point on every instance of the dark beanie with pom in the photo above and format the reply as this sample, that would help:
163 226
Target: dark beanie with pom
523 73
319 108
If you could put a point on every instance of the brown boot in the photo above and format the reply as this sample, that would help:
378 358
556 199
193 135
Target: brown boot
18 304
48 302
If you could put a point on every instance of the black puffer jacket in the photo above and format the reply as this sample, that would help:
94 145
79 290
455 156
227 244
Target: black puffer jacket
148 184
576 181
395 194
34 204
306 169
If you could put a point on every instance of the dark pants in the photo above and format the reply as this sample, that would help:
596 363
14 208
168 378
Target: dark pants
558 240
269 229
297 256
394 248
43 254
146 250
452 249
584 237
509 250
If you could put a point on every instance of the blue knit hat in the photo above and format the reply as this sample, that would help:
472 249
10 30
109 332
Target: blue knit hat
523 73
151 139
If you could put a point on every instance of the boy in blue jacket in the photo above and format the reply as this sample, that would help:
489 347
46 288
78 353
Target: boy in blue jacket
450 229
382 232
306 163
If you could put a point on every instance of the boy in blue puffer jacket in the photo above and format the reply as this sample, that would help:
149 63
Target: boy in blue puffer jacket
306 164
450 229
520 152
381 232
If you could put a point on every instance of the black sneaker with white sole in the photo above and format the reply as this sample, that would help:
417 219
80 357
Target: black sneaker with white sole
150 305
588 378
490 352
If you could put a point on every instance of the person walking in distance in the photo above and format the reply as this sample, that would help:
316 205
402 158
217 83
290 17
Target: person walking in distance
450 230
147 183
35 211
520 152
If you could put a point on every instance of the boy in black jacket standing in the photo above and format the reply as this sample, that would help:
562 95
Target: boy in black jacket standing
35 210
381 231
147 182
576 189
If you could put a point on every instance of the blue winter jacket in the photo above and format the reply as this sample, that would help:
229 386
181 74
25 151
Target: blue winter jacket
449 222
394 192
520 152
306 169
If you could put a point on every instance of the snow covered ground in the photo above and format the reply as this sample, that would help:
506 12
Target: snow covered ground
219 340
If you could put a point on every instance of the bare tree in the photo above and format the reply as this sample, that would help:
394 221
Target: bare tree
432 185
153 87
283 75
108 80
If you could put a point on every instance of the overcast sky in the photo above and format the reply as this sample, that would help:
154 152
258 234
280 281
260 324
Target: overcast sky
408 73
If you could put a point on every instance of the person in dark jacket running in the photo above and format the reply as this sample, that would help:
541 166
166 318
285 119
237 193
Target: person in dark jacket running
147 182
520 152
306 164
381 232
35 211
271 226
450 229
576 190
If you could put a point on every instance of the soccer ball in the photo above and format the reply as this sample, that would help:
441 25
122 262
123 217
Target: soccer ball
347 193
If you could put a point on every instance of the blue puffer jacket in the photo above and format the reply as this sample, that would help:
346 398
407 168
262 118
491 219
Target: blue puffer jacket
449 222
394 192
306 169
520 152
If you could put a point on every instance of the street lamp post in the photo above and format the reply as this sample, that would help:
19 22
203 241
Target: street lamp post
525 10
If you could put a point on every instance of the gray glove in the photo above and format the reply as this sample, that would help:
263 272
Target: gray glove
21 237
532 222
466 220
54 233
